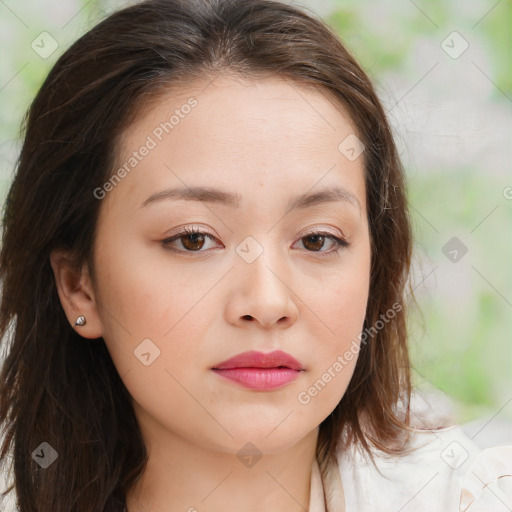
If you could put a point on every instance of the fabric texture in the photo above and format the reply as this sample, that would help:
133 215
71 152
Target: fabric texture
446 472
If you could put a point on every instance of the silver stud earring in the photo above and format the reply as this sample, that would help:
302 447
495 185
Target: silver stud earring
80 321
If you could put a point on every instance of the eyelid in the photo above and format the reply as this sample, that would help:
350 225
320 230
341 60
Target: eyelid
320 228
340 240
310 231
190 227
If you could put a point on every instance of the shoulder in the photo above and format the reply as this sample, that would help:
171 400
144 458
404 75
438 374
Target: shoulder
487 485
443 470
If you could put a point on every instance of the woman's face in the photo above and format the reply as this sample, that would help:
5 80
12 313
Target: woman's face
255 278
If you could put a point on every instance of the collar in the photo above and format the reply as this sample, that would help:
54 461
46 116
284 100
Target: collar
328 489
316 491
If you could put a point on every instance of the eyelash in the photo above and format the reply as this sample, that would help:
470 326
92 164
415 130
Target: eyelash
340 242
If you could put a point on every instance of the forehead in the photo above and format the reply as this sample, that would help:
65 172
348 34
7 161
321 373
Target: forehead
236 131
237 107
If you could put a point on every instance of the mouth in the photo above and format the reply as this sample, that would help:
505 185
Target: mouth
260 371
254 359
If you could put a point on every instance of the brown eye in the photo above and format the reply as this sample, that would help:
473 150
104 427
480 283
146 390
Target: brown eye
315 243
193 241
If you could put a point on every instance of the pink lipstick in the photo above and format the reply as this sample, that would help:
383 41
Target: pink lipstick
260 371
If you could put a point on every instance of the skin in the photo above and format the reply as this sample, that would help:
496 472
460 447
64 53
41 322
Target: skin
266 140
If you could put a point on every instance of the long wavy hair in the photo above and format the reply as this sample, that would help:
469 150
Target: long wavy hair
54 387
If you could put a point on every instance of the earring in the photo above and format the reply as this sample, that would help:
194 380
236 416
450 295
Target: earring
80 321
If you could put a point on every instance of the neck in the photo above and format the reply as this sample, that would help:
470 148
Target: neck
181 476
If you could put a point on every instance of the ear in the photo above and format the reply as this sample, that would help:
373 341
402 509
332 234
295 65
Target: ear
76 293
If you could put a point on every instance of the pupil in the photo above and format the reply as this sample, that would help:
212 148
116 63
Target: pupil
317 240
194 237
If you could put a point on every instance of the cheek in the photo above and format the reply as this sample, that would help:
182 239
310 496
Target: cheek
335 356
344 316
144 298
142 301
342 307
348 310
343 298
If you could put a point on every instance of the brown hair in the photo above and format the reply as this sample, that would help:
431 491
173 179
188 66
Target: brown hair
55 387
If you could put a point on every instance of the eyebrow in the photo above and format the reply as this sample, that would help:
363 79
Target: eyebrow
213 195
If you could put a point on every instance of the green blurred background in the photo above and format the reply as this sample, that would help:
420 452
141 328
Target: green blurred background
452 120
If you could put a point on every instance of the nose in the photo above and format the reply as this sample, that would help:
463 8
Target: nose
262 292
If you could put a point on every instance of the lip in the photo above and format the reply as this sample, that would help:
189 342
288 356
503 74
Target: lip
260 371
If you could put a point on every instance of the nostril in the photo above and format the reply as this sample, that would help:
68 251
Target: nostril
247 317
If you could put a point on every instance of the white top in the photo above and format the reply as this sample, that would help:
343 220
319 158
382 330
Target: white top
447 473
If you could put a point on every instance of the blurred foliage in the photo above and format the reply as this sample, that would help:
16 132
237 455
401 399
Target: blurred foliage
463 349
